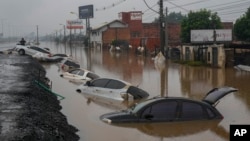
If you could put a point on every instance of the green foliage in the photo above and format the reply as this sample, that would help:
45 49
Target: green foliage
172 18
242 27
202 19
175 17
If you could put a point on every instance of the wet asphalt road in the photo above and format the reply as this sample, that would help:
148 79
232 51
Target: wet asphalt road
28 112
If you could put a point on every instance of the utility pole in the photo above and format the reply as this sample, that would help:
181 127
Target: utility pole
64 34
2 20
88 31
162 28
37 39
166 34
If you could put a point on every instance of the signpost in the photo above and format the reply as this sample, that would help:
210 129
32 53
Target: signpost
87 12
74 24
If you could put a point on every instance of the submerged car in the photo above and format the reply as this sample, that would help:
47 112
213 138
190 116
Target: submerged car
55 58
68 64
112 89
34 51
170 109
79 75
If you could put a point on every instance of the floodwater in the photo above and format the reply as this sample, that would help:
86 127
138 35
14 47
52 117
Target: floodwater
169 79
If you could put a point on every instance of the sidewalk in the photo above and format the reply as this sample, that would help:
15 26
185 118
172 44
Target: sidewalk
27 112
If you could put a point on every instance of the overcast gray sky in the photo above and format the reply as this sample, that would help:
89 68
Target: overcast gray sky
21 16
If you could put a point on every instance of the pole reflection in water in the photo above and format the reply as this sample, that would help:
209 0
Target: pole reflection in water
162 68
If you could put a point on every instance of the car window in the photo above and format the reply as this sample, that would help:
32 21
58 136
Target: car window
191 110
81 72
92 75
39 49
34 48
163 110
74 71
72 64
99 82
137 92
210 113
115 84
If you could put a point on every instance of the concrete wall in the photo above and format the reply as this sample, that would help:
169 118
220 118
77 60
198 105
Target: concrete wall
221 57
214 58
185 56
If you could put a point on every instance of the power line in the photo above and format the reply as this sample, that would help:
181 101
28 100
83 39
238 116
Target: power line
150 8
110 6
229 7
226 7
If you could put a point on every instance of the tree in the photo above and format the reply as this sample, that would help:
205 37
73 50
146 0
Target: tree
172 18
202 19
175 17
242 27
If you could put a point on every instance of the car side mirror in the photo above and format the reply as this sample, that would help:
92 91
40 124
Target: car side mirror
149 116
88 83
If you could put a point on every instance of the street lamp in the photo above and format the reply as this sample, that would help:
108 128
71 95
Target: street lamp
64 40
74 13
2 20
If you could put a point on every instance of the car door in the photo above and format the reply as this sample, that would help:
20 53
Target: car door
160 111
81 75
31 50
72 73
192 111
115 88
97 87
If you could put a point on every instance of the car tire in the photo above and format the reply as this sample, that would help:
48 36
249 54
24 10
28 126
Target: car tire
21 52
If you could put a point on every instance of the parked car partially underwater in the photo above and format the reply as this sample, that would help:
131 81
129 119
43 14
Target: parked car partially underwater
55 58
34 51
112 89
170 109
41 54
79 75
68 64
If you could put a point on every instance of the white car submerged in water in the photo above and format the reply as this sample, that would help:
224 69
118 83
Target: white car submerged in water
34 51
79 75
112 89
41 54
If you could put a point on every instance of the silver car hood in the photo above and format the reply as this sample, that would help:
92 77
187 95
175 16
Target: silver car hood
217 93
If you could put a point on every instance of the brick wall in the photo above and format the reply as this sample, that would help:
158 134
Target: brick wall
174 33
151 30
115 33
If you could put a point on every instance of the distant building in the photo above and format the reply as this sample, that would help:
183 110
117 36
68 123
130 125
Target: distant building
129 28
106 33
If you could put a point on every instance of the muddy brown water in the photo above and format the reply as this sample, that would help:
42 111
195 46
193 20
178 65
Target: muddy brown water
168 80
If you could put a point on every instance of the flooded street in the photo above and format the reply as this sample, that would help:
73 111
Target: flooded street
169 80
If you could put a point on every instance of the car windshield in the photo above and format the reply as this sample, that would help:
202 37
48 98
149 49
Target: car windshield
92 75
71 63
136 107
75 71
39 49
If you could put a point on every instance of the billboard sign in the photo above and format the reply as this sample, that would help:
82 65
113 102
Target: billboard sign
136 15
86 12
222 35
74 24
